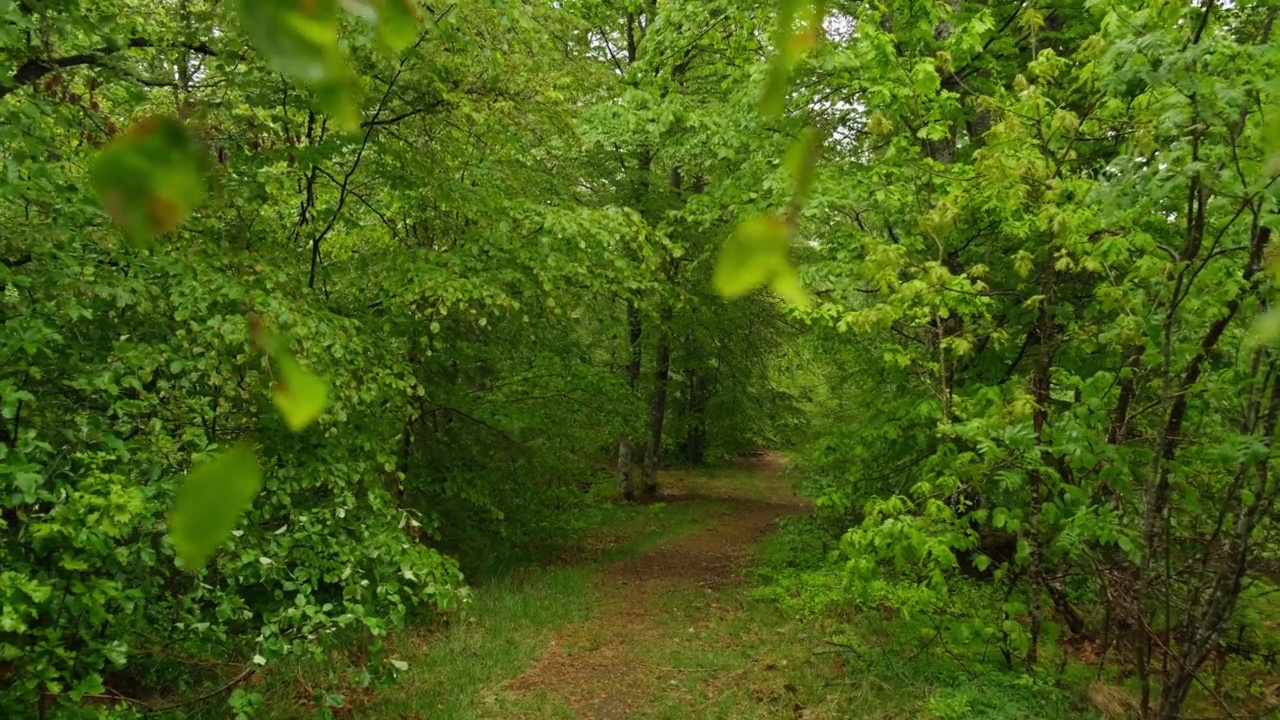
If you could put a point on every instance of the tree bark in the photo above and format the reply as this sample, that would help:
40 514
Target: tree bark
1041 385
626 463
626 468
657 412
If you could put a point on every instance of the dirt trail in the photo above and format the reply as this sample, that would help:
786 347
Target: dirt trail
596 667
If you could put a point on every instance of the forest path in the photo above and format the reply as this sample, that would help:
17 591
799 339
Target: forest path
649 617
603 667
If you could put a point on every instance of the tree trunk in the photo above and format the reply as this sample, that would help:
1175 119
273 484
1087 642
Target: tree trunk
695 439
626 468
657 414
626 464
1202 635
1040 389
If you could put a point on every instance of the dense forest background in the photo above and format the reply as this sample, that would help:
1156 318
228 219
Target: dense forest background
312 310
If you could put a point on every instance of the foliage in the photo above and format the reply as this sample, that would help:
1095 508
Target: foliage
308 306
921 662
793 569
379 252
1049 230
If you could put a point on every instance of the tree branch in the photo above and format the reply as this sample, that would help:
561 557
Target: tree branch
36 68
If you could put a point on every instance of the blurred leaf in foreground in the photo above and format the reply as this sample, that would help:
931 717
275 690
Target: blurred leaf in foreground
396 20
801 164
299 38
210 503
799 25
151 177
1265 330
299 395
756 254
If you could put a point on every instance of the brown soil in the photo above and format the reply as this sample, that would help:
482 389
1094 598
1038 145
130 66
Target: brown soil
594 666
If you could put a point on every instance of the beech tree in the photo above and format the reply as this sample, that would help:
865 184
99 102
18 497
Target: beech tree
311 307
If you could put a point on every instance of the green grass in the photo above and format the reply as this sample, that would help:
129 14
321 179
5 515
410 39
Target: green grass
742 653
646 527
457 673
724 656
456 670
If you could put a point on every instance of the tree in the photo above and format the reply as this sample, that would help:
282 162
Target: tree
1056 239
686 158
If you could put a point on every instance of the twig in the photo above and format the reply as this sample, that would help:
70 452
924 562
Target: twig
1152 635
148 708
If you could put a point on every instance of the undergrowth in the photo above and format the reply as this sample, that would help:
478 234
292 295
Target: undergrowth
901 664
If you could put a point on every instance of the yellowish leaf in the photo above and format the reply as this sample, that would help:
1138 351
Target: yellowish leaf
299 395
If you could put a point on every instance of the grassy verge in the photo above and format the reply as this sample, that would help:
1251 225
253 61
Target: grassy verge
456 671
729 657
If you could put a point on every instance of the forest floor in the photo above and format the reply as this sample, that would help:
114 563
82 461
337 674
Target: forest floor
650 617
665 611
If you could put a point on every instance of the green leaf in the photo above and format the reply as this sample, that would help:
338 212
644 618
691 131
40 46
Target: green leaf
299 39
151 177
999 517
925 77
792 41
1265 330
801 162
773 98
211 502
397 21
1271 140
786 285
300 396
753 256
27 483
